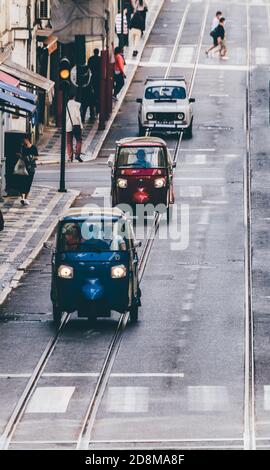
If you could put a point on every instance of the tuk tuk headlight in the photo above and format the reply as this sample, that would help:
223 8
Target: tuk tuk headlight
160 183
121 183
118 272
150 116
180 116
65 272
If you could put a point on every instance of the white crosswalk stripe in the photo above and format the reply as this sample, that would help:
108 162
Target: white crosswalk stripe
185 55
262 56
158 54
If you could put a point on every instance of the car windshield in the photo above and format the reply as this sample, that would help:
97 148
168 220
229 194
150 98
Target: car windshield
93 236
165 92
141 157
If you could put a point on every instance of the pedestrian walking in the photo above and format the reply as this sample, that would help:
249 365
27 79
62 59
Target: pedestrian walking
214 25
136 27
94 64
88 101
123 38
128 5
74 128
222 39
142 7
119 72
25 169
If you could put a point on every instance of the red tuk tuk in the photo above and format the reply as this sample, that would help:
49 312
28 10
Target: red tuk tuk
142 172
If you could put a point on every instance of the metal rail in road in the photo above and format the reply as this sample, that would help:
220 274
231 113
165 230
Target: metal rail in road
249 399
89 420
18 412
91 413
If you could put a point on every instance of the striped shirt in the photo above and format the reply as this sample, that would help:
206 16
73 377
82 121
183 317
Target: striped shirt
118 24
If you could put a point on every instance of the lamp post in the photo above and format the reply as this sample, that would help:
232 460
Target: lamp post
64 74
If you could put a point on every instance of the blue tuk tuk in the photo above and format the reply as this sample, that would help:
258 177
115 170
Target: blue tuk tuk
95 265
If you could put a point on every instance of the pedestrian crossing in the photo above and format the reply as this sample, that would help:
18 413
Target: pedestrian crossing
262 56
185 56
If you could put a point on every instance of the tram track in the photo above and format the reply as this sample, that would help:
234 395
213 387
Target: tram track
18 412
89 418
249 393
21 405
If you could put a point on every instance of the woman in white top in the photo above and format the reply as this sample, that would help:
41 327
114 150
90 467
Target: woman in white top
74 129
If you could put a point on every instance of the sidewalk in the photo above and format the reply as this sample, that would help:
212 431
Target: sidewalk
26 230
50 142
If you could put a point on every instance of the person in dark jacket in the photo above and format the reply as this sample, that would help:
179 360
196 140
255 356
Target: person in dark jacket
28 155
94 64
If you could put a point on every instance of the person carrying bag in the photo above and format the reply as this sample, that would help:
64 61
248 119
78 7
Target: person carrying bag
74 129
25 168
20 168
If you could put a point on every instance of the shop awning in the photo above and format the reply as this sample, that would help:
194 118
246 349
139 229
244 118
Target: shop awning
21 94
12 105
27 77
70 17
4 77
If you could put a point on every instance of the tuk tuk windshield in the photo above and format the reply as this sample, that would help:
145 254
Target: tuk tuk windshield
93 236
142 157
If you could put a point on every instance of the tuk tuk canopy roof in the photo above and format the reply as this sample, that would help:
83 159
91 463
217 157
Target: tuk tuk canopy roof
80 213
141 141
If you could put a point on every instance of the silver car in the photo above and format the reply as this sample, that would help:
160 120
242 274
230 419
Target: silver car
165 107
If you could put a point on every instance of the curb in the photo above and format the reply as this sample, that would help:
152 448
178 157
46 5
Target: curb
122 95
35 252
49 162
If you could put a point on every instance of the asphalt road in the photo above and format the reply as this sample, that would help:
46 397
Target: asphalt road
178 377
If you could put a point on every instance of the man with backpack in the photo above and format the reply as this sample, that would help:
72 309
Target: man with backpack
215 24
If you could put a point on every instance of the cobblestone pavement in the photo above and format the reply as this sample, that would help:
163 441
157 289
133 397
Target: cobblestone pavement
26 230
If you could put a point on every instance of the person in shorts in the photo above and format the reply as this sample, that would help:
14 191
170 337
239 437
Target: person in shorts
214 25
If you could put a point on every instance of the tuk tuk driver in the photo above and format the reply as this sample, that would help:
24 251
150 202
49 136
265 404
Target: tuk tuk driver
71 237
141 162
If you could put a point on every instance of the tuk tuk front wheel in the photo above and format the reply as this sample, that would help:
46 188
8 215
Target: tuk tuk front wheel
114 200
133 314
57 315
92 320
189 131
